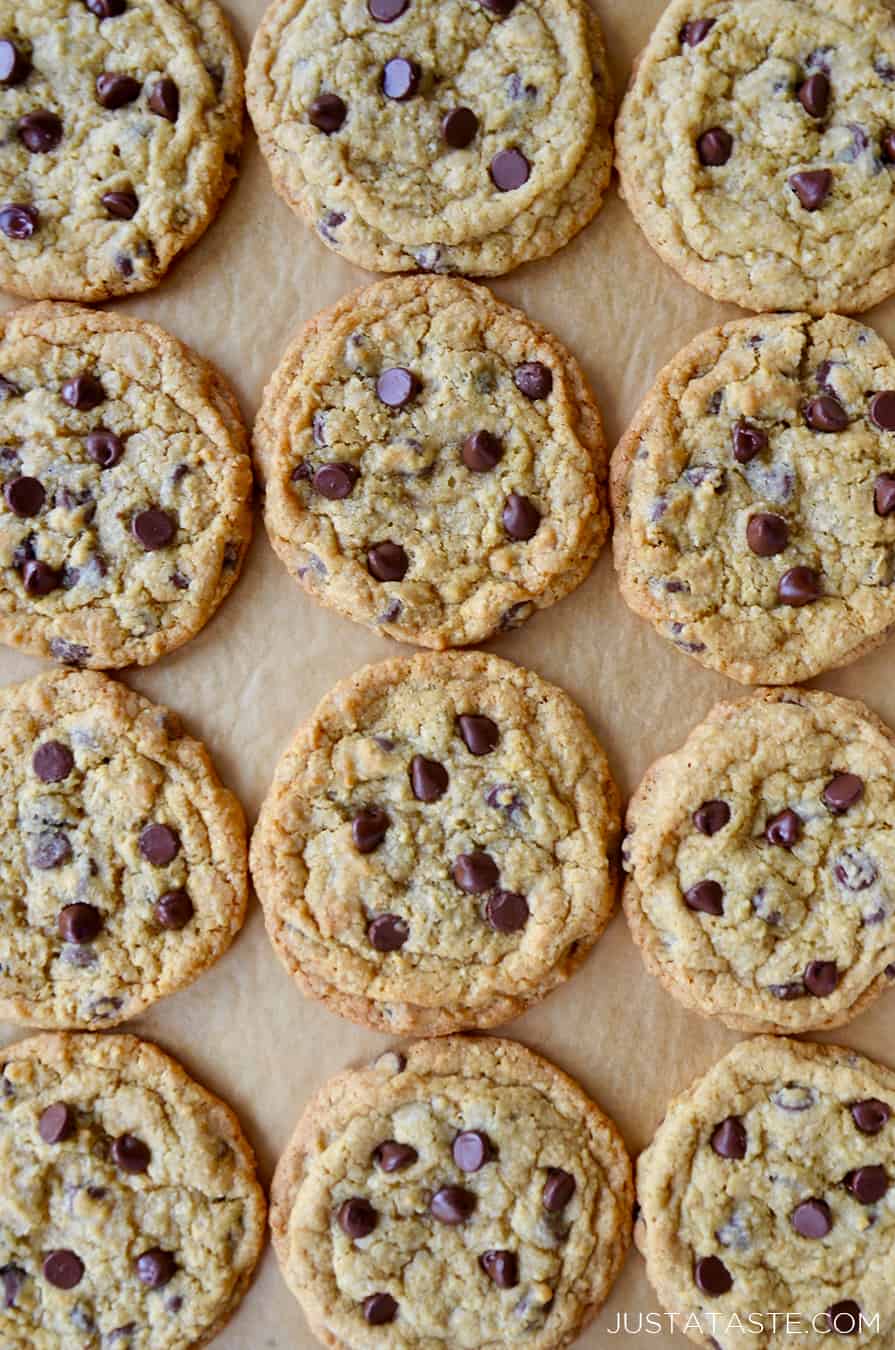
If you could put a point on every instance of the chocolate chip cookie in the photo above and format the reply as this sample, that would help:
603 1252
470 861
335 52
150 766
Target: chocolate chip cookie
122 858
762 865
767 1190
434 462
754 498
756 149
125 487
463 1193
442 135
131 1213
123 122
437 850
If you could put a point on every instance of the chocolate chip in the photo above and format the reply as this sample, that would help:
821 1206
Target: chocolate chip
8 390
114 91
712 1276
711 817
696 31
24 496
475 873
714 147
40 131
826 413
52 762
368 829
173 910
482 451
480 734
767 534
400 79
106 9
509 170
120 205
164 100
397 386
748 441
887 146
387 561
799 586
521 517
39 578
812 187
499 7
357 1218
452 1205
821 978
506 911
884 494
83 393
156 1267
844 1318
336 481
814 95
533 379
56 1123
812 1219
130 1154
104 448
18 220
388 932
784 829
882 410
63 1269
501 1267
153 528
391 1156
842 792
471 1150
868 1184
871 1115
559 1188
428 778
327 113
729 1138
386 11
15 65
80 923
459 128
159 844
706 897
379 1309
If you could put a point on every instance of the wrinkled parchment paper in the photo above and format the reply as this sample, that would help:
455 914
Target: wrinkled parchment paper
261 666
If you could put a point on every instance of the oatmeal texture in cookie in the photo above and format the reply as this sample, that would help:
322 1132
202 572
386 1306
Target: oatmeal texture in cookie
756 150
761 863
126 487
433 462
767 1186
443 135
123 122
130 1213
122 858
754 498
465 1193
437 850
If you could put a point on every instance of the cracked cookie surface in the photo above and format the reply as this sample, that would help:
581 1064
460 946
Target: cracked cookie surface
761 862
122 858
437 849
124 122
464 1193
446 135
754 498
130 1213
125 511
756 150
768 1186
433 462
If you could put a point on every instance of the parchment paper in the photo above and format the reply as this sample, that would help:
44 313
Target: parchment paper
261 666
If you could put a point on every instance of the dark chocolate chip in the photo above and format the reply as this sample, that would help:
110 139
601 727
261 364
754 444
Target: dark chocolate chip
174 910
871 1115
106 9
114 91
83 393
533 379
56 1123
121 205
159 844
471 1150
499 7
729 1138
767 534
826 413
130 1154
327 113
80 923
501 1267
39 578
368 829
18 220
15 65
379 1309
482 451
428 779
475 873
844 1319
842 792
164 100
397 386
714 147
712 1276
784 829
386 11
884 494
154 529
459 128
51 849
799 586
52 761
24 496
821 978
357 1218
812 1219
887 145
812 187
40 131
104 448
63 1269
868 1184
400 79
748 441
388 932
882 410
156 1267
711 817
506 911
336 481
452 1205
521 517
695 31
390 1156
706 897
480 734
387 561
559 1188
814 94
509 170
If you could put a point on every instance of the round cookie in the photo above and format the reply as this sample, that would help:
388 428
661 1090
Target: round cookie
437 851
125 487
442 135
122 858
463 1193
131 1214
767 1189
756 150
434 462
754 498
124 122
761 863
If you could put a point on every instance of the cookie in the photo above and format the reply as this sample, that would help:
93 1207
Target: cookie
131 1213
754 498
437 850
766 1190
123 872
123 123
434 462
125 487
761 861
756 150
443 135
464 1193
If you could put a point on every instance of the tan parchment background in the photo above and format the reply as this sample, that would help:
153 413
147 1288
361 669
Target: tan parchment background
271 653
